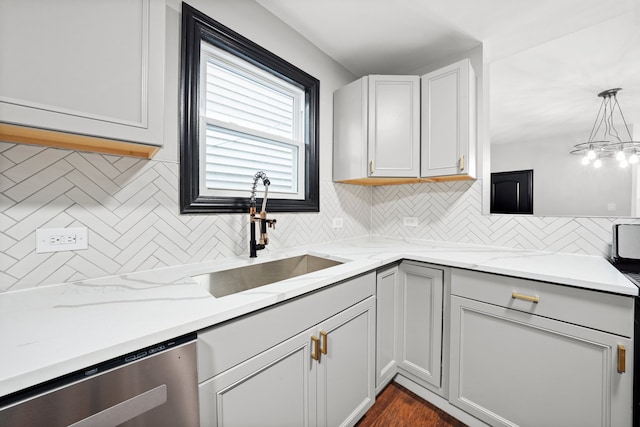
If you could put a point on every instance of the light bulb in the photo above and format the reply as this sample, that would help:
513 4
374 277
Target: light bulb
633 159
585 160
620 155
597 163
624 163
591 154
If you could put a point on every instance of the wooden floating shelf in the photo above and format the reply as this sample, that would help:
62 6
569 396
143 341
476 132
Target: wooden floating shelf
398 181
50 138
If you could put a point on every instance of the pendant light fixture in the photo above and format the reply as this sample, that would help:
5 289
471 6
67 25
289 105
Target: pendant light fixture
612 143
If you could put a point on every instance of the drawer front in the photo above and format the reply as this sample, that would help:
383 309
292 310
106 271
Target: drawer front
224 346
598 310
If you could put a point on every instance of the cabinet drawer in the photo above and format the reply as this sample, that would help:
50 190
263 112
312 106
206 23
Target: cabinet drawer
598 310
223 346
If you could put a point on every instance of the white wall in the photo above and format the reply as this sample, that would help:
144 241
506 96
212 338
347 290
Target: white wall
561 184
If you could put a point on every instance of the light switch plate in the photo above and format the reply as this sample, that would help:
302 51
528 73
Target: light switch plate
61 239
410 221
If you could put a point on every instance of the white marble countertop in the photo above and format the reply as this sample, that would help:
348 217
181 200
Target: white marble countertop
53 330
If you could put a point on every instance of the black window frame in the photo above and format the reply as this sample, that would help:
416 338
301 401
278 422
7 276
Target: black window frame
198 27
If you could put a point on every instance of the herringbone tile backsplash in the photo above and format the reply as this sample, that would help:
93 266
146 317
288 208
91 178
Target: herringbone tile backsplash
130 207
452 212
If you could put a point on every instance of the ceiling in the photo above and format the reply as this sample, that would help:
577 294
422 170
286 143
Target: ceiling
548 58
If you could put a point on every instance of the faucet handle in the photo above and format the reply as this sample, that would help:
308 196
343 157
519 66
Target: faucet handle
271 223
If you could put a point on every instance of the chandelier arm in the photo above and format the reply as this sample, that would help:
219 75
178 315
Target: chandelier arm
624 121
612 131
595 130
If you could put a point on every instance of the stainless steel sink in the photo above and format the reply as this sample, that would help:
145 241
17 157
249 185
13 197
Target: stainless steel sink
227 282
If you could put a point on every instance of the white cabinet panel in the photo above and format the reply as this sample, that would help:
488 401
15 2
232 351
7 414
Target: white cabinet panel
394 126
448 121
350 131
512 368
409 341
387 326
346 367
421 294
271 389
376 123
93 68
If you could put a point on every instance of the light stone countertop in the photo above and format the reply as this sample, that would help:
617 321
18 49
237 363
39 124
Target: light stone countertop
50 331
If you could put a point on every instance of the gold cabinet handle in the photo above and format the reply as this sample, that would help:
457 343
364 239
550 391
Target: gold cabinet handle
622 356
315 353
324 347
529 298
462 162
371 167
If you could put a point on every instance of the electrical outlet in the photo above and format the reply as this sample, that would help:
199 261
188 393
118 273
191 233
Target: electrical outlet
61 239
410 221
337 223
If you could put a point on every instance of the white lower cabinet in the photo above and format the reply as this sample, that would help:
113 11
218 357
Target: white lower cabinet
420 311
514 364
271 389
323 376
410 324
345 380
387 325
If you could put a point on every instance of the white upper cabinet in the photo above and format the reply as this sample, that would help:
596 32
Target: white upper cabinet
377 129
92 68
448 122
406 129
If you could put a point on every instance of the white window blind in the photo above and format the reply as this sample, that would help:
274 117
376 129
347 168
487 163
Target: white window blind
252 121
233 159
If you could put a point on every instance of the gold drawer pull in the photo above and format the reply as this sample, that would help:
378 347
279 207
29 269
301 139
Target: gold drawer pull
315 353
529 298
372 167
324 347
622 355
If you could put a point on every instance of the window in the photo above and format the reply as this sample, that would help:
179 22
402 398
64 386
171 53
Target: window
244 110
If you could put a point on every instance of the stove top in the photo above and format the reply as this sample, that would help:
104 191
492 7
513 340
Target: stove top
630 268
634 277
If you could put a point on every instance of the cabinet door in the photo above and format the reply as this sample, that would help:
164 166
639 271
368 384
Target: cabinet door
346 366
421 290
271 389
350 126
394 126
513 368
387 326
448 121
93 68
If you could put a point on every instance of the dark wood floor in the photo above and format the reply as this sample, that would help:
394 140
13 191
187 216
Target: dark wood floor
398 407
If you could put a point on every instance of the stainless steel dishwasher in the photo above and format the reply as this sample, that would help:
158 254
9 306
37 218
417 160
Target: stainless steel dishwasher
155 386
